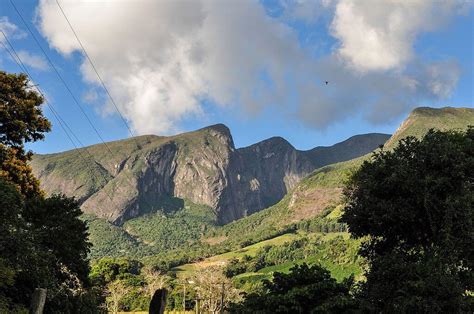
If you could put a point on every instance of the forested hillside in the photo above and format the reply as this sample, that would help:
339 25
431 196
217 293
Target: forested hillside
185 226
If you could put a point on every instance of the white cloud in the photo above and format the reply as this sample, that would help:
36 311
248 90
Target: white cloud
379 35
159 59
11 30
35 61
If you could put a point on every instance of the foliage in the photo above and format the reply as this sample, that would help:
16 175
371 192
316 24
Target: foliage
43 245
21 120
14 245
116 291
336 253
106 270
212 287
234 267
306 289
59 215
416 204
43 242
178 223
111 240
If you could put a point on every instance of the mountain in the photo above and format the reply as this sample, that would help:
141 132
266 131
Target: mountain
125 179
321 191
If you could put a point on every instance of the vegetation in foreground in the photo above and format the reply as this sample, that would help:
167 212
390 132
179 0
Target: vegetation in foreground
43 243
416 206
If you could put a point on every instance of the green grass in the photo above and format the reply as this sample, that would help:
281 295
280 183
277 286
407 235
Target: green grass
251 250
334 251
422 119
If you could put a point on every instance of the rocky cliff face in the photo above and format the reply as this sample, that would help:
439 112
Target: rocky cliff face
125 179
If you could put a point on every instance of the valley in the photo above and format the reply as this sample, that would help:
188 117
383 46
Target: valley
184 235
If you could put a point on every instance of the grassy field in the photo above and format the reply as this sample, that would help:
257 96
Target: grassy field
338 262
187 269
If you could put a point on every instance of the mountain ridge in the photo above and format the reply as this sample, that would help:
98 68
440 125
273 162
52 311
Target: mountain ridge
192 229
321 191
203 166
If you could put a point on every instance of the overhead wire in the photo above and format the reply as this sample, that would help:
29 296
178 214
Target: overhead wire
95 69
73 96
61 77
16 58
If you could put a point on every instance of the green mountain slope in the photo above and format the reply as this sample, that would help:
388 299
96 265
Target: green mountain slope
311 211
178 226
322 190
122 180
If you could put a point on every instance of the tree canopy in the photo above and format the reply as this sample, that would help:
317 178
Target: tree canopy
43 241
21 120
415 204
305 289
21 117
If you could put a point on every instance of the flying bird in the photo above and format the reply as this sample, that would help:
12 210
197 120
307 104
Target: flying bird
327 82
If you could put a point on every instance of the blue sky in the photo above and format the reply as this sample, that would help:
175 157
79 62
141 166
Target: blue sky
258 67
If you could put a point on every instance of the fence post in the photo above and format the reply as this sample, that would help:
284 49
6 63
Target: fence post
37 301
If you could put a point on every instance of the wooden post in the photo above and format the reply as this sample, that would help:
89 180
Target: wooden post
197 305
222 298
37 301
184 297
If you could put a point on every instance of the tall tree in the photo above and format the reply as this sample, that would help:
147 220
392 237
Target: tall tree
43 241
21 120
415 204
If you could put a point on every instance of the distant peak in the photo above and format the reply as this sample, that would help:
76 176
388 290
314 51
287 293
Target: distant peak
273 142
278 140
221 128
429 111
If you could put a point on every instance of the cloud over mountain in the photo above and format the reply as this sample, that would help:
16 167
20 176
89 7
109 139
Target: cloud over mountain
160 59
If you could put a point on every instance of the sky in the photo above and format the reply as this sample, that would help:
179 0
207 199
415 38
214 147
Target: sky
260 67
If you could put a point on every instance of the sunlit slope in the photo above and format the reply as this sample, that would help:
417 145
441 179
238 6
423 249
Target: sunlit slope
122 180
322 189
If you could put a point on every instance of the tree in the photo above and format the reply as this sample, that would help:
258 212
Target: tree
42 244
43 241
212 286
109 269
21 120
306 289
154 280
13 243
415 205
58 229
234 267
116 290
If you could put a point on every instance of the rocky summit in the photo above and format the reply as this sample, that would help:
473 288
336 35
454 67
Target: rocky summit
125 179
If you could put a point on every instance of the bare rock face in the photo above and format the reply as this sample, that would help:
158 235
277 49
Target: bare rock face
125 179
260 175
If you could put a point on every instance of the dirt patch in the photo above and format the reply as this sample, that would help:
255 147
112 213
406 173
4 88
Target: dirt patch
214 240
307 204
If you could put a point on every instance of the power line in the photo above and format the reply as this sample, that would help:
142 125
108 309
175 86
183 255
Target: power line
60 120
71 93
60 77
95 69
